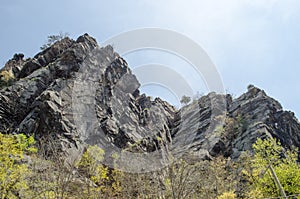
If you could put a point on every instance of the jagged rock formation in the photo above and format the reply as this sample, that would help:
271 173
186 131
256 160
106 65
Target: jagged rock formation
76 92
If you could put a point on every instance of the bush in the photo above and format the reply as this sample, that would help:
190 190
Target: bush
13 172
102 182
6 78
227 195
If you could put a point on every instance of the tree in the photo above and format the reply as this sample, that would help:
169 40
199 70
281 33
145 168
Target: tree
185 99
203 179
13 171
54 38
197 96
100 180
275 171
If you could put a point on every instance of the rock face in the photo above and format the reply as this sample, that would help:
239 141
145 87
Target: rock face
262 116
76 92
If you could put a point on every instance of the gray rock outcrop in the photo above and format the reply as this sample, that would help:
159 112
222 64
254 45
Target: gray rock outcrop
76 92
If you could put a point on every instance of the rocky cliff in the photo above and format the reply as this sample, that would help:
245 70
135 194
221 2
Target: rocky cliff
76 92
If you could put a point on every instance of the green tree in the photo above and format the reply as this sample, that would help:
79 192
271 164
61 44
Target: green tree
100 180
275 171
13 172
54 38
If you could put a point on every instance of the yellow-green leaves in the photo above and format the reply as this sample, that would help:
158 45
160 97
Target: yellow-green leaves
13 172
91 159
101 180
227 195
6 78
269 153
6 75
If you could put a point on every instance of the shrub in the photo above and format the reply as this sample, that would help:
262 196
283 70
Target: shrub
13 172
6 78
102 182
227 195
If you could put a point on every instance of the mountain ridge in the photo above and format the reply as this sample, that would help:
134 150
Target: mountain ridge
76 93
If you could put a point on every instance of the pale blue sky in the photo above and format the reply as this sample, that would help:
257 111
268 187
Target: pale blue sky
250 41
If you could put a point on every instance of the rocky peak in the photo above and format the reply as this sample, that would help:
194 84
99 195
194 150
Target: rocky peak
262 116
76 92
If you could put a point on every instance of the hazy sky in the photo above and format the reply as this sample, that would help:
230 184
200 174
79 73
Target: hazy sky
250 41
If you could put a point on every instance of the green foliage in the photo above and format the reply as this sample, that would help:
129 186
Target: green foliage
242 123
219 131
227 195
102 181
91 159
54 38
269 153
13 172
6 78
89 178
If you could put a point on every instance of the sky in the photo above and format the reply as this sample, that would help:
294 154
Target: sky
249 41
